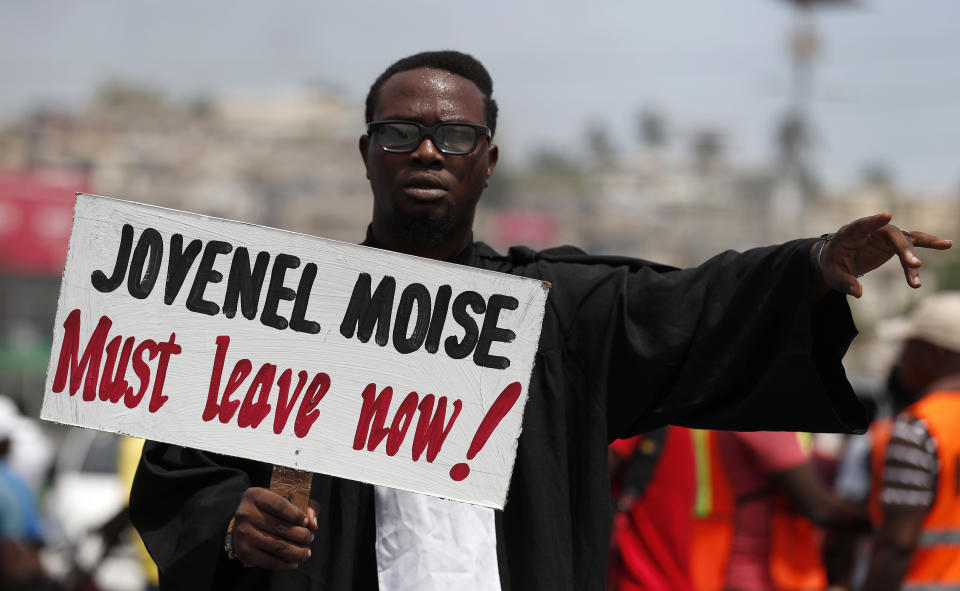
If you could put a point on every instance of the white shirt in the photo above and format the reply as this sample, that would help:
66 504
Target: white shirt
427 543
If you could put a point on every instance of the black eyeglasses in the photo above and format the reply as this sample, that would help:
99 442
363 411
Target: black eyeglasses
403 137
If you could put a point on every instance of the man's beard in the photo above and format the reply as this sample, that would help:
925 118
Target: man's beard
424 230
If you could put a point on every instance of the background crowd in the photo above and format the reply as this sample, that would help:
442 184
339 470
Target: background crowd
770 511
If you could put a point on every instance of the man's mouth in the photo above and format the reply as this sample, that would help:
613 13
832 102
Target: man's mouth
425 187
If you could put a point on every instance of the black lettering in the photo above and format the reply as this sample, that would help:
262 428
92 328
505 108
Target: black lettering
180 262
297 321
244 284
415 292
206 274
100 280
140 282
276 291
491 332
364 312
440 306
459 350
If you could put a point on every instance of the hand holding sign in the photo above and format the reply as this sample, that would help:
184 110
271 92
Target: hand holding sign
271 532
305 374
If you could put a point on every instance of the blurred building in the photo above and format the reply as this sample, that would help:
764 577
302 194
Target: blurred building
283 159
289 160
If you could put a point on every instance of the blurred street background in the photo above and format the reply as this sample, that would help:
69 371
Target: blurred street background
667 131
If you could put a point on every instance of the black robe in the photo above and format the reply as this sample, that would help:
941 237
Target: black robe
626 346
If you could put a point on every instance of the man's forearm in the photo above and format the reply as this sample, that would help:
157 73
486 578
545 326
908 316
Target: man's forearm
888 566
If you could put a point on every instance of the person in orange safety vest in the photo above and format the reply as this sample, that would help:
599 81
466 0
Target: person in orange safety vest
918 545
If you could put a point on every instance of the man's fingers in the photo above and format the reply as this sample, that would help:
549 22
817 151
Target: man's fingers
294 533
280 548
912 276
846 283
258 558
903 243
256 547
313 508
279 528
924 240
273 504
869 224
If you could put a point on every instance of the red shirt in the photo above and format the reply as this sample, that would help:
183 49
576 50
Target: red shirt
653 538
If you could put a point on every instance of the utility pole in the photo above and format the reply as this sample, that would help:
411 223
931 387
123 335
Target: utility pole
795 185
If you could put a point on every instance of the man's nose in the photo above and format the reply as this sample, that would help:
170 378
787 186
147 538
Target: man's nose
427 152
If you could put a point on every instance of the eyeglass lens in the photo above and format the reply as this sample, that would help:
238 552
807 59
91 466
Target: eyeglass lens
449 137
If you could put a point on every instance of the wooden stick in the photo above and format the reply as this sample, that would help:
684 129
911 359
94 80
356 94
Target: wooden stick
292 484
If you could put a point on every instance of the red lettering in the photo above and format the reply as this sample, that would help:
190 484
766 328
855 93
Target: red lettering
89 362
398 430
432 428
166 350
240 372
212 408
256 406
150 346
283 407
112 384
252 413
431 433
374 410
499 409
306 415
142 370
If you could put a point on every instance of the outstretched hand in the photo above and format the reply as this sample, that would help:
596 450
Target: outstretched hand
863 245
271 532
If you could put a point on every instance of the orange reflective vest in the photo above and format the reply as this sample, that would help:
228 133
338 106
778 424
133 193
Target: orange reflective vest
712 533
795 551
795 545
935 564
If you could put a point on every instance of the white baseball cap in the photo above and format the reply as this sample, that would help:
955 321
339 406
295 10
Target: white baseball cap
936 320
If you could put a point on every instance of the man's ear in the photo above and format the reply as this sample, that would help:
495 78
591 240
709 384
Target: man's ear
363 145
493 153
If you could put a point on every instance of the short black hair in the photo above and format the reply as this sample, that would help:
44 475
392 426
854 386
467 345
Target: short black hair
455 62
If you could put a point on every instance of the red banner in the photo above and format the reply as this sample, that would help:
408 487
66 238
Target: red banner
36 214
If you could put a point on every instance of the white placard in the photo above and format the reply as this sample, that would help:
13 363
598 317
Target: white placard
293 350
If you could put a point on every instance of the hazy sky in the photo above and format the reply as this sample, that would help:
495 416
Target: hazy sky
887 81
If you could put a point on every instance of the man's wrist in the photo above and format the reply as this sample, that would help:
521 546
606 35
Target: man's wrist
818 284
818 250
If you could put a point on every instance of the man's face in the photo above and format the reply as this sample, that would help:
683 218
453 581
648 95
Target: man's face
426 197
919 365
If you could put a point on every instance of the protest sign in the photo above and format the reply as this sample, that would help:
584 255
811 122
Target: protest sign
293 350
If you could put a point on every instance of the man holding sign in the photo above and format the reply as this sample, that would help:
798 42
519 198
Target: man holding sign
745 341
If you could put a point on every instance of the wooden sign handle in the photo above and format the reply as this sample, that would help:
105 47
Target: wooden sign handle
292 484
